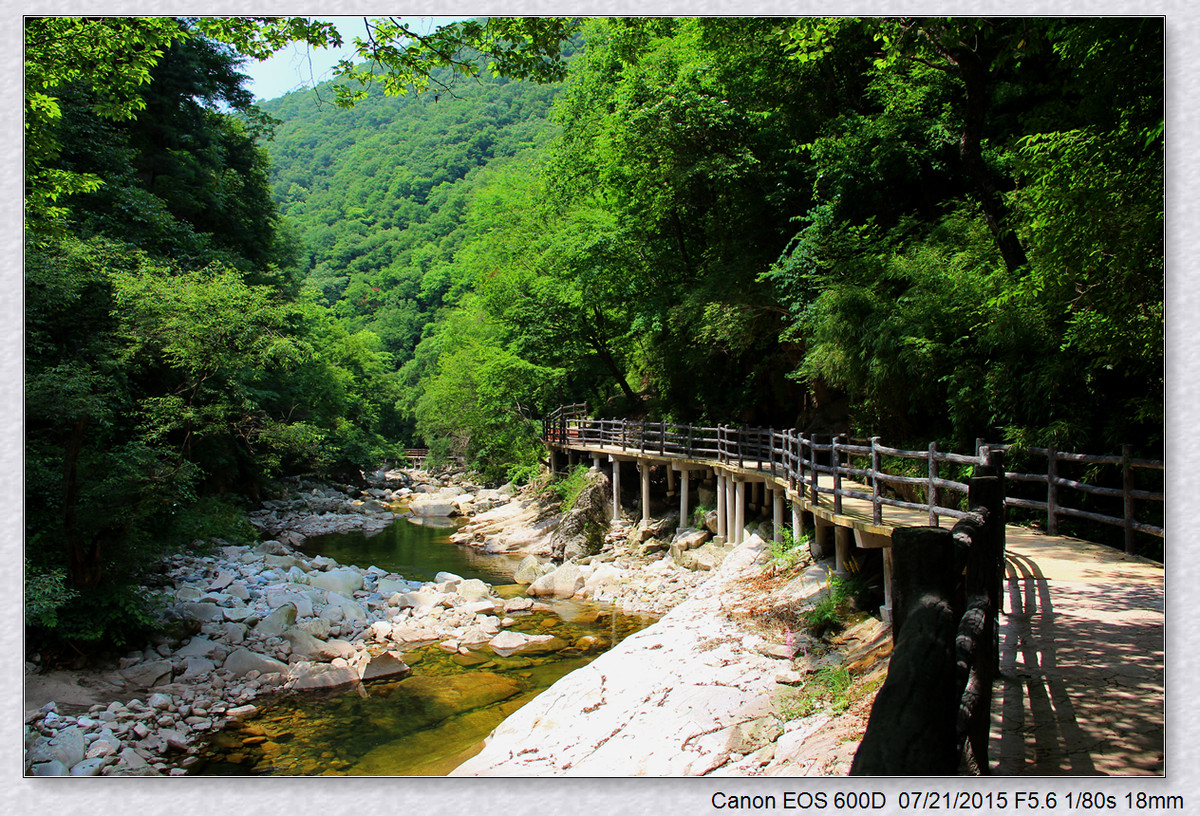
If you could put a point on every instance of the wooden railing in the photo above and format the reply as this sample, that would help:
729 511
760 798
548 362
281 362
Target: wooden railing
802 458
933 713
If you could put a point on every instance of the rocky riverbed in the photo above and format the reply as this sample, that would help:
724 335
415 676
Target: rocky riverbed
246 621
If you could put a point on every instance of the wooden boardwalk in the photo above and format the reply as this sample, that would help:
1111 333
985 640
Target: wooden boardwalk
1081 661
1081 642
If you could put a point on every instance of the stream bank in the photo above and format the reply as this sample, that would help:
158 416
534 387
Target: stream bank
251 623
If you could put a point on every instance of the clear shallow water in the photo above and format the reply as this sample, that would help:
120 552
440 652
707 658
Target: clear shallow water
417 552
429 723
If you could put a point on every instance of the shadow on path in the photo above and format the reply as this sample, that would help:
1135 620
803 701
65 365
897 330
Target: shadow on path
1081 664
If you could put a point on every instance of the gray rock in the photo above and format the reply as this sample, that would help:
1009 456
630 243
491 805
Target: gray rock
528 571
564 582
244 661
473 590
89 767
277 622
388 664
345 581
148 673
581 531
509 643
436 507
200 611
351 610
322 676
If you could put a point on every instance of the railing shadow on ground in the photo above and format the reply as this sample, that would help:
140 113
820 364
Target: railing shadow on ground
1074 686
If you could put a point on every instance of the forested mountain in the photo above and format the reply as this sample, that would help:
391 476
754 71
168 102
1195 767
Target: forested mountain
920 228
927 229
378 192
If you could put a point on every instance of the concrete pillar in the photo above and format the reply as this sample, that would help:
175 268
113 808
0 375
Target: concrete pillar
683 499
885 611
595 461
644 467
739 510
671 481
797 522
722 527
843 538
616 489
730 512
777 514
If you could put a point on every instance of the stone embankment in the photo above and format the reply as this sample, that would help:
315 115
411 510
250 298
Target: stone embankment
243 621
716 687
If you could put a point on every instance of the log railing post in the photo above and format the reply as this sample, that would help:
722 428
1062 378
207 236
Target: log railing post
933 490
1051 491
1127 489
876 505
814 492
835 462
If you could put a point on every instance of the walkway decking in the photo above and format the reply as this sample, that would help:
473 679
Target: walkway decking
1081 642
1081 661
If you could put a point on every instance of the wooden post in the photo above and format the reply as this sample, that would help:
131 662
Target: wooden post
771 449
1051 491
814 495
933 490
913 723
837 474
1127 488
691 430
662 437
740 455
876 505
789 443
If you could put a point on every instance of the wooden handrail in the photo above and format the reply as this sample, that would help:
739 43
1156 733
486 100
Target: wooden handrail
793 456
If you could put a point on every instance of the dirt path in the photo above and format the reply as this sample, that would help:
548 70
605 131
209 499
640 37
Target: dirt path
1081 659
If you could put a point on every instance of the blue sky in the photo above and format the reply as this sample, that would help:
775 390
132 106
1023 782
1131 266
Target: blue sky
299 66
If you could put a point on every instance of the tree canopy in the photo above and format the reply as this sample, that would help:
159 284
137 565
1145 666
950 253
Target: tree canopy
928 229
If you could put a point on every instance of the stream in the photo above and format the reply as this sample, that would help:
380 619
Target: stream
435 719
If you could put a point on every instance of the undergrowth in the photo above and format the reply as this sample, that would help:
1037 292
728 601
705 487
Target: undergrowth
570 486
828 687
788 551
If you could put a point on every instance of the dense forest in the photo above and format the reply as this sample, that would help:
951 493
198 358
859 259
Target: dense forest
927 229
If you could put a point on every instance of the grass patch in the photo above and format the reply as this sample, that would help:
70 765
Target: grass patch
788 552
830 611
570 486
828 688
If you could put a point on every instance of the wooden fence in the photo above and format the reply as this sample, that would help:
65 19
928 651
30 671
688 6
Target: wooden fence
932 714
875 472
